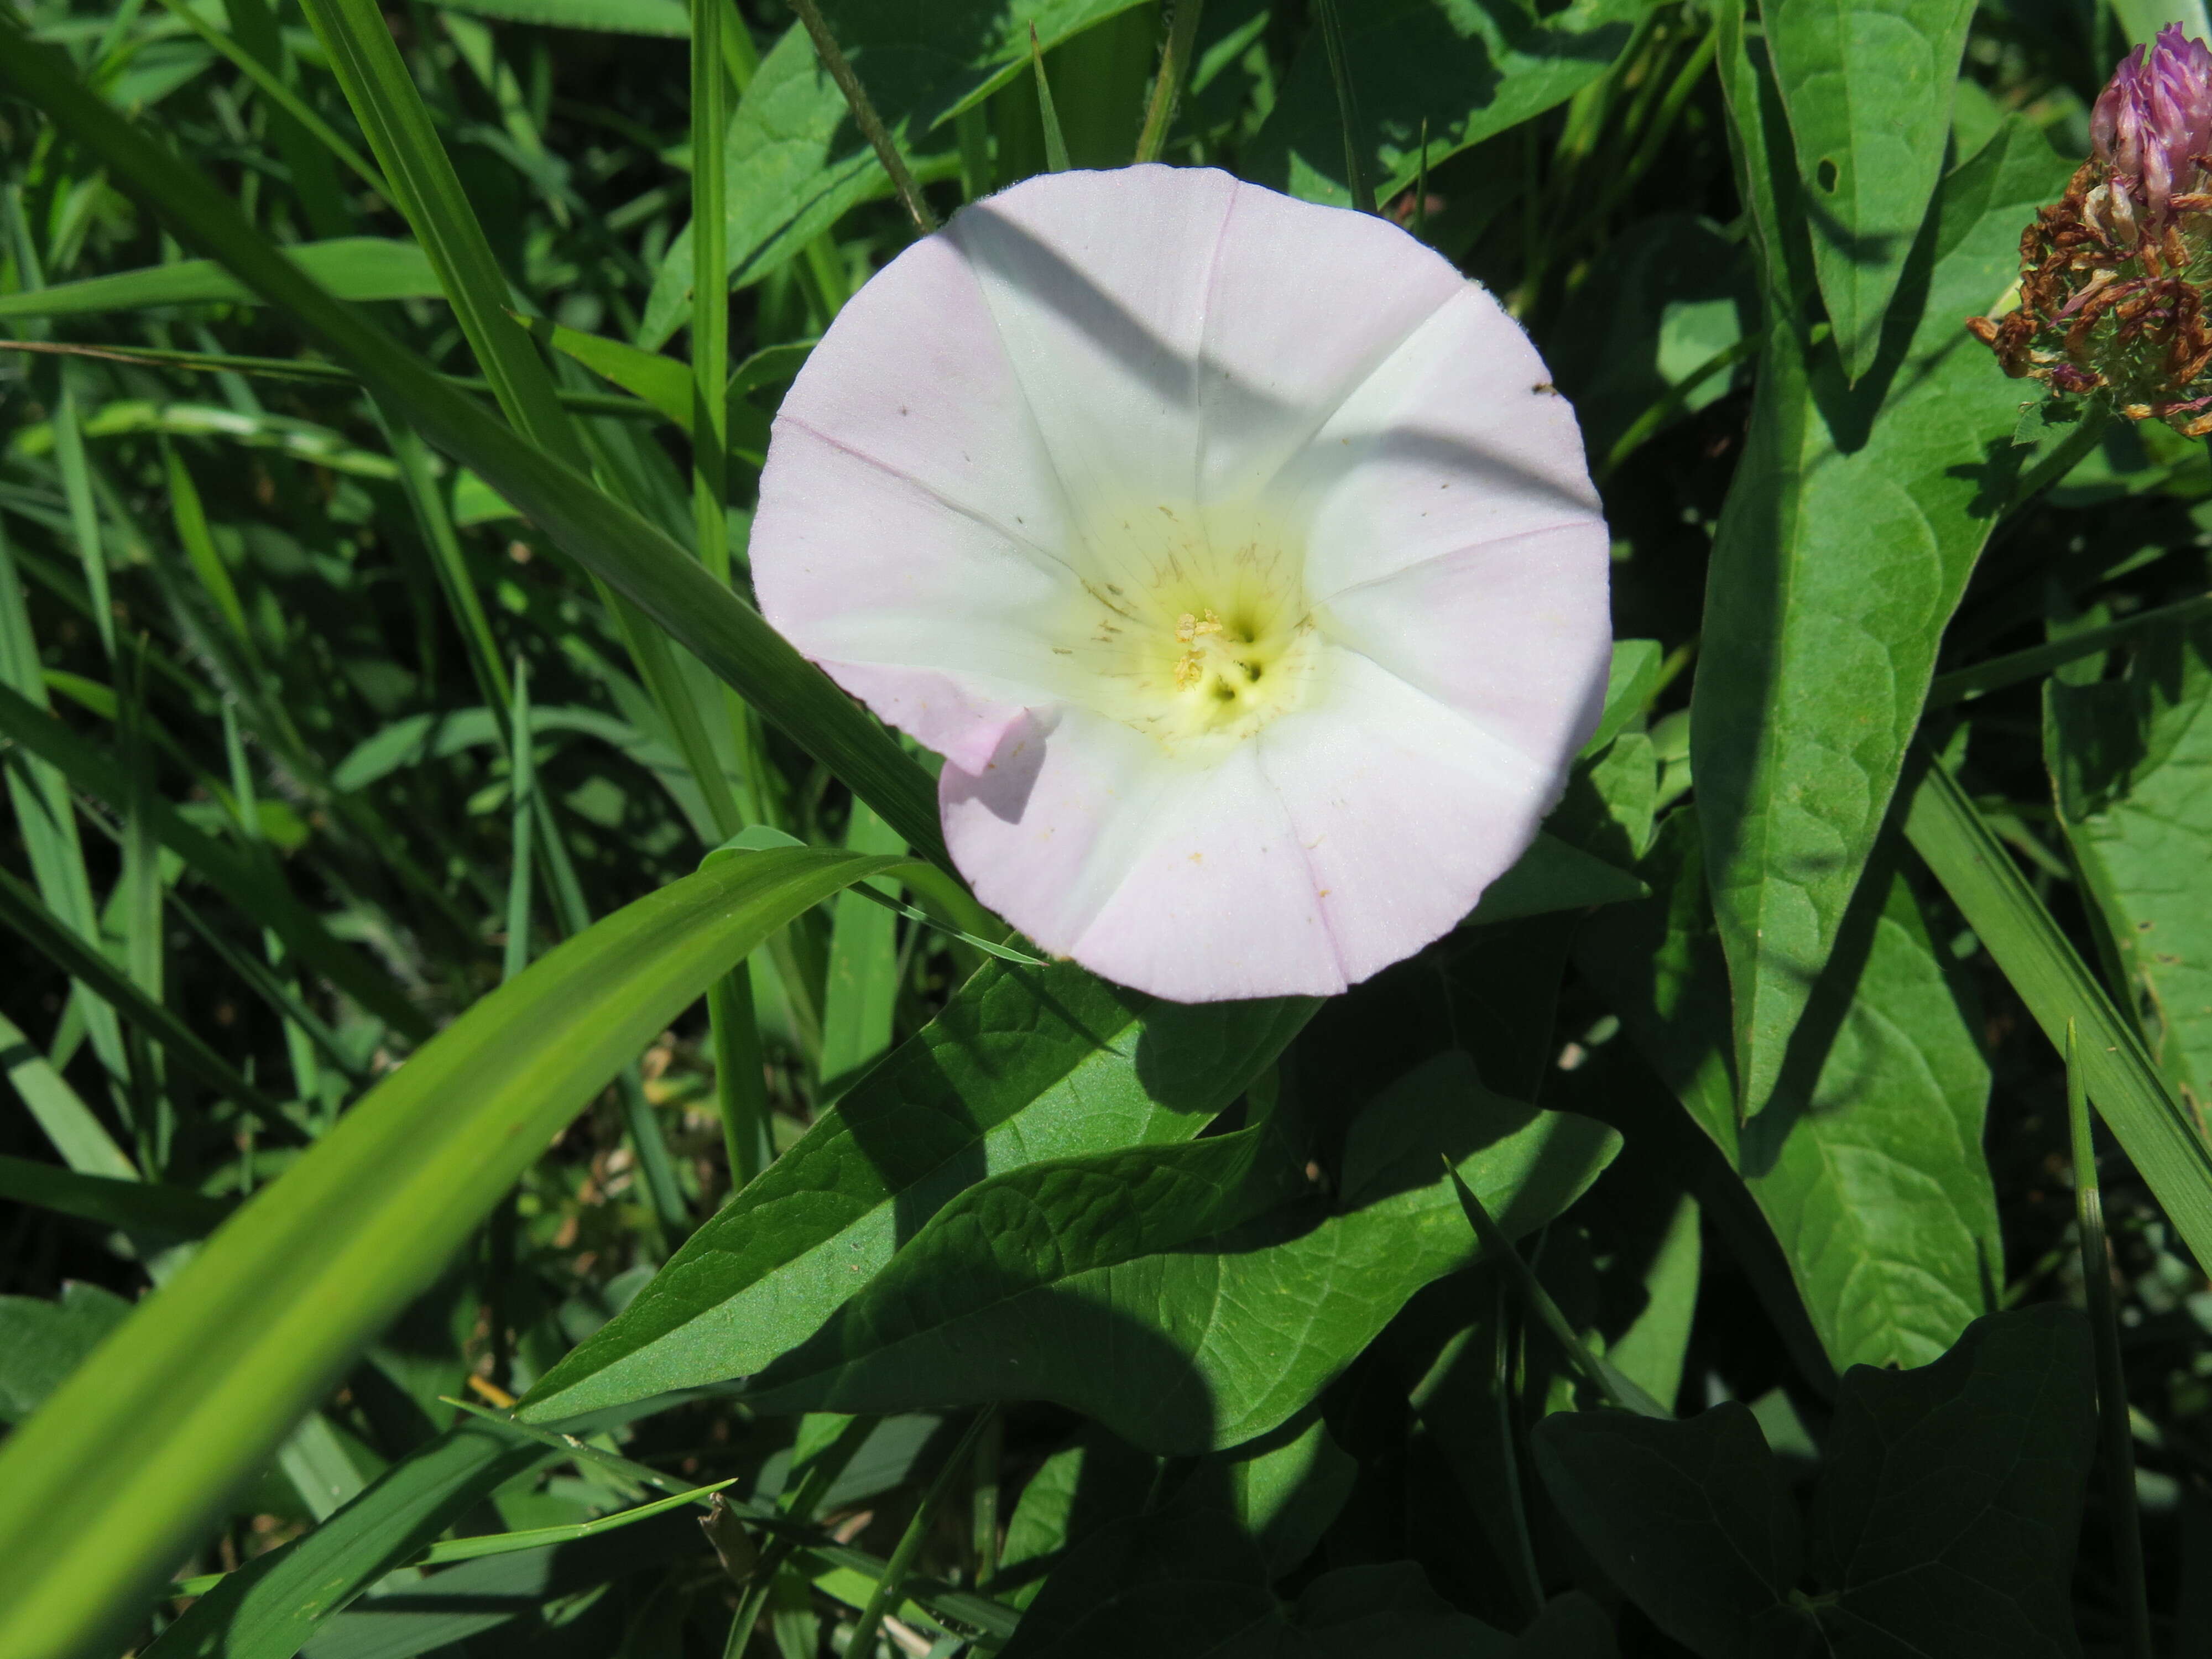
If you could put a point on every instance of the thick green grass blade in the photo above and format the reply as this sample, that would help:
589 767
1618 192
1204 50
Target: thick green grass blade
241 879
352 267
2155 1129
102 1489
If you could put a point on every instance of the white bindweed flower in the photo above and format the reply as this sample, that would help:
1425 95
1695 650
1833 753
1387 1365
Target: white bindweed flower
1235 552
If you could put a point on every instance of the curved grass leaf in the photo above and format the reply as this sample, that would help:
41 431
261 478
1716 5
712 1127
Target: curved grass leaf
1024 1064
1126 1286
2158 1132
103 1488
1868 84
351 267
605 537
1854 519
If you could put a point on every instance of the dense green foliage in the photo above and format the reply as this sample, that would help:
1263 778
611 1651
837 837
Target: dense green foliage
502 1073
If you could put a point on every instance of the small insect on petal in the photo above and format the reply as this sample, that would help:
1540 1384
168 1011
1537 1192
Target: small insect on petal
1258 629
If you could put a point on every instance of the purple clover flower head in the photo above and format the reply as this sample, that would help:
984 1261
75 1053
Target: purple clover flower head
2153 123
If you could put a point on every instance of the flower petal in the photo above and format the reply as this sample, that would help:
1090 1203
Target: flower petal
1457 439
1403 809
1184 881
1515 634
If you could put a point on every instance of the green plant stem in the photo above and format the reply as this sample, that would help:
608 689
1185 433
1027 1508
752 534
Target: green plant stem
2125 1521
886 1594
2036 661
1167 86
983 1516
864 115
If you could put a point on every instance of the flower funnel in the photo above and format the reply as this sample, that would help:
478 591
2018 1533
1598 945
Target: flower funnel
1235 552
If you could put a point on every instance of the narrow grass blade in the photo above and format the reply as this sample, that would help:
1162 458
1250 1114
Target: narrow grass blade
134 1206
2154 1129
2121 1514
710 292
740 1085
524 789
240 879
72 1126
273 87
607 538
21 911
1167 88
2037 660
271 1606
353 267
1055 142
1497 1248
103 1486
1347 105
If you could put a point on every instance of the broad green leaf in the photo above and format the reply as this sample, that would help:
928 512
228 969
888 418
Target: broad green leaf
1470 69
667 18
1287 1487
1942 1523
142 1208
1630 681
242 879
795 163
2161 1135
1693 1519
2132 760
1948 1510
1187 1583
1868 85
606 536
1950 1496
1023 1065
351 267
1872 1178
1555 875
1853 520
107 1484
42 1342
1650 1352
1092 1281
